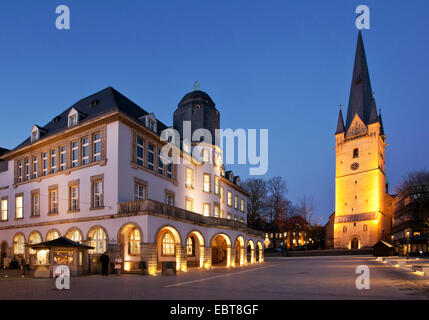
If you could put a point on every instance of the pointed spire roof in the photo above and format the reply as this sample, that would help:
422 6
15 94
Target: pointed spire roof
361 99
381 124
340 124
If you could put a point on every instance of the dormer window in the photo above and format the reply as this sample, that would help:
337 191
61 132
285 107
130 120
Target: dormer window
73 117
149 122
35 134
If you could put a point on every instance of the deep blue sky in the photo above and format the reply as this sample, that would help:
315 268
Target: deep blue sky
281 65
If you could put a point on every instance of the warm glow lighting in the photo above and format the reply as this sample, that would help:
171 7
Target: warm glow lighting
127 266
420 273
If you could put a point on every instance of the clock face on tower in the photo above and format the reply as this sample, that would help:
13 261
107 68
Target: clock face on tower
354 166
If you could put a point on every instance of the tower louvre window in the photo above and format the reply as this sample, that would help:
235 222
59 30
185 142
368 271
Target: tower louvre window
355 153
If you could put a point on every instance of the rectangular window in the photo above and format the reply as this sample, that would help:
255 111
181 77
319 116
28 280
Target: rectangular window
35 167
222 194
205 155
236 202
139 191
19 210
189 178
74 198
242 205
98 194
4 209
229 199
189 204
27 169
73 120
140 151
216 187
85 150
19 171
206 209
222 214
53 160
96 146
169 198
75 154
160 163
63 158
53 201
169 170
229 216
35 204
216 211
150 149
207 182
45 163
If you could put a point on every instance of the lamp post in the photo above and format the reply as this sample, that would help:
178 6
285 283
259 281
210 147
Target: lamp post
408 246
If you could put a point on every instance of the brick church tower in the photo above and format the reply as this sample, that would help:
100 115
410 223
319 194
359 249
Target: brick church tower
362 205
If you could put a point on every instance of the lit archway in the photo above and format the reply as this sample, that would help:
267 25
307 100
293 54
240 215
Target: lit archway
3 249
354 243
52 235
169 248
74 234
19 244
251 251
195 249
97 238
130 238
33 238
239 251
221 250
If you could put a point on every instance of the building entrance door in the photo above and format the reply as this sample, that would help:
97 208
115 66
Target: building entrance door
355 244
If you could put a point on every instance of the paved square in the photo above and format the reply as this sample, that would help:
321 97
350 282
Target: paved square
277 278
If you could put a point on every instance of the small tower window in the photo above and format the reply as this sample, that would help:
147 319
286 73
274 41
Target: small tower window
355 153
344 229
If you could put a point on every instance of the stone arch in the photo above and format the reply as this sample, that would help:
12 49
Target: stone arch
354 242
71 230
51 231
251 246
169 247
195 251
3 251
239 251
129 245
100 245
260 255
18 243
221 249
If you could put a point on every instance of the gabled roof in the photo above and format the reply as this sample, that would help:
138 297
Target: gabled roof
361 99
103 102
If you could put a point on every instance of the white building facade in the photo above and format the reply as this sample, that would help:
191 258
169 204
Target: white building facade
94 175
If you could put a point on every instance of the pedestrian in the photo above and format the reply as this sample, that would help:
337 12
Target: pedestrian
118 265
104 259
23 267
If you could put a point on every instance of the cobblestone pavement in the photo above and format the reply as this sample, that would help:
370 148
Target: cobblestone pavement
277 278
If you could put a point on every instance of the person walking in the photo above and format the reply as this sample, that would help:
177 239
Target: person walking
118 265
104 259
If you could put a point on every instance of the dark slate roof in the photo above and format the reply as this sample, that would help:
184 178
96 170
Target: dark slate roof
100 103
3 163
340 123
381 125
60 242
196 95
361 99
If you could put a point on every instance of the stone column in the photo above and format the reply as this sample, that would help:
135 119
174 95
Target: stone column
149 256
181 261
243 252
228 256
232 257
207 257
201 257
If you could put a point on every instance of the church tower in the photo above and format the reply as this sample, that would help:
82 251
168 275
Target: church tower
362 215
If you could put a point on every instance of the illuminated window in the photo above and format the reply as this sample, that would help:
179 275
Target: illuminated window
216 187
356 153
134 242
236 202
74 198
168 244
229 199
33 239
229 216
206 209
207 182
189 204
53 201
242 205
52 235
140 151
4 209
189 178
222 214
222 194
205 156
97 239
96 146
75 235
19 244
85 150
190 247
216 211
19 214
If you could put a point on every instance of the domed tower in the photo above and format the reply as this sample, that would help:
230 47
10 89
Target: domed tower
199 108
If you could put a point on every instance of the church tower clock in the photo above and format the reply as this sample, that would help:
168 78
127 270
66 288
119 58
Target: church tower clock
362 213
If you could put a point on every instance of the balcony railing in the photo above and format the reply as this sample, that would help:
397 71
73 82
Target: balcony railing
152 207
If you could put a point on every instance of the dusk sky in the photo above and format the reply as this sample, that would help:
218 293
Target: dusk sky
281 65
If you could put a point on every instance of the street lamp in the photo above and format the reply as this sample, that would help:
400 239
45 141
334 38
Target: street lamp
408 246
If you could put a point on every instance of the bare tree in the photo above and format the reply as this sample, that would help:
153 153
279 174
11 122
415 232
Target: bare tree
305 208
257 204
278 203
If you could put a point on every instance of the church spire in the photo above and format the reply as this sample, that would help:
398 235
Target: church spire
361 101
340 123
